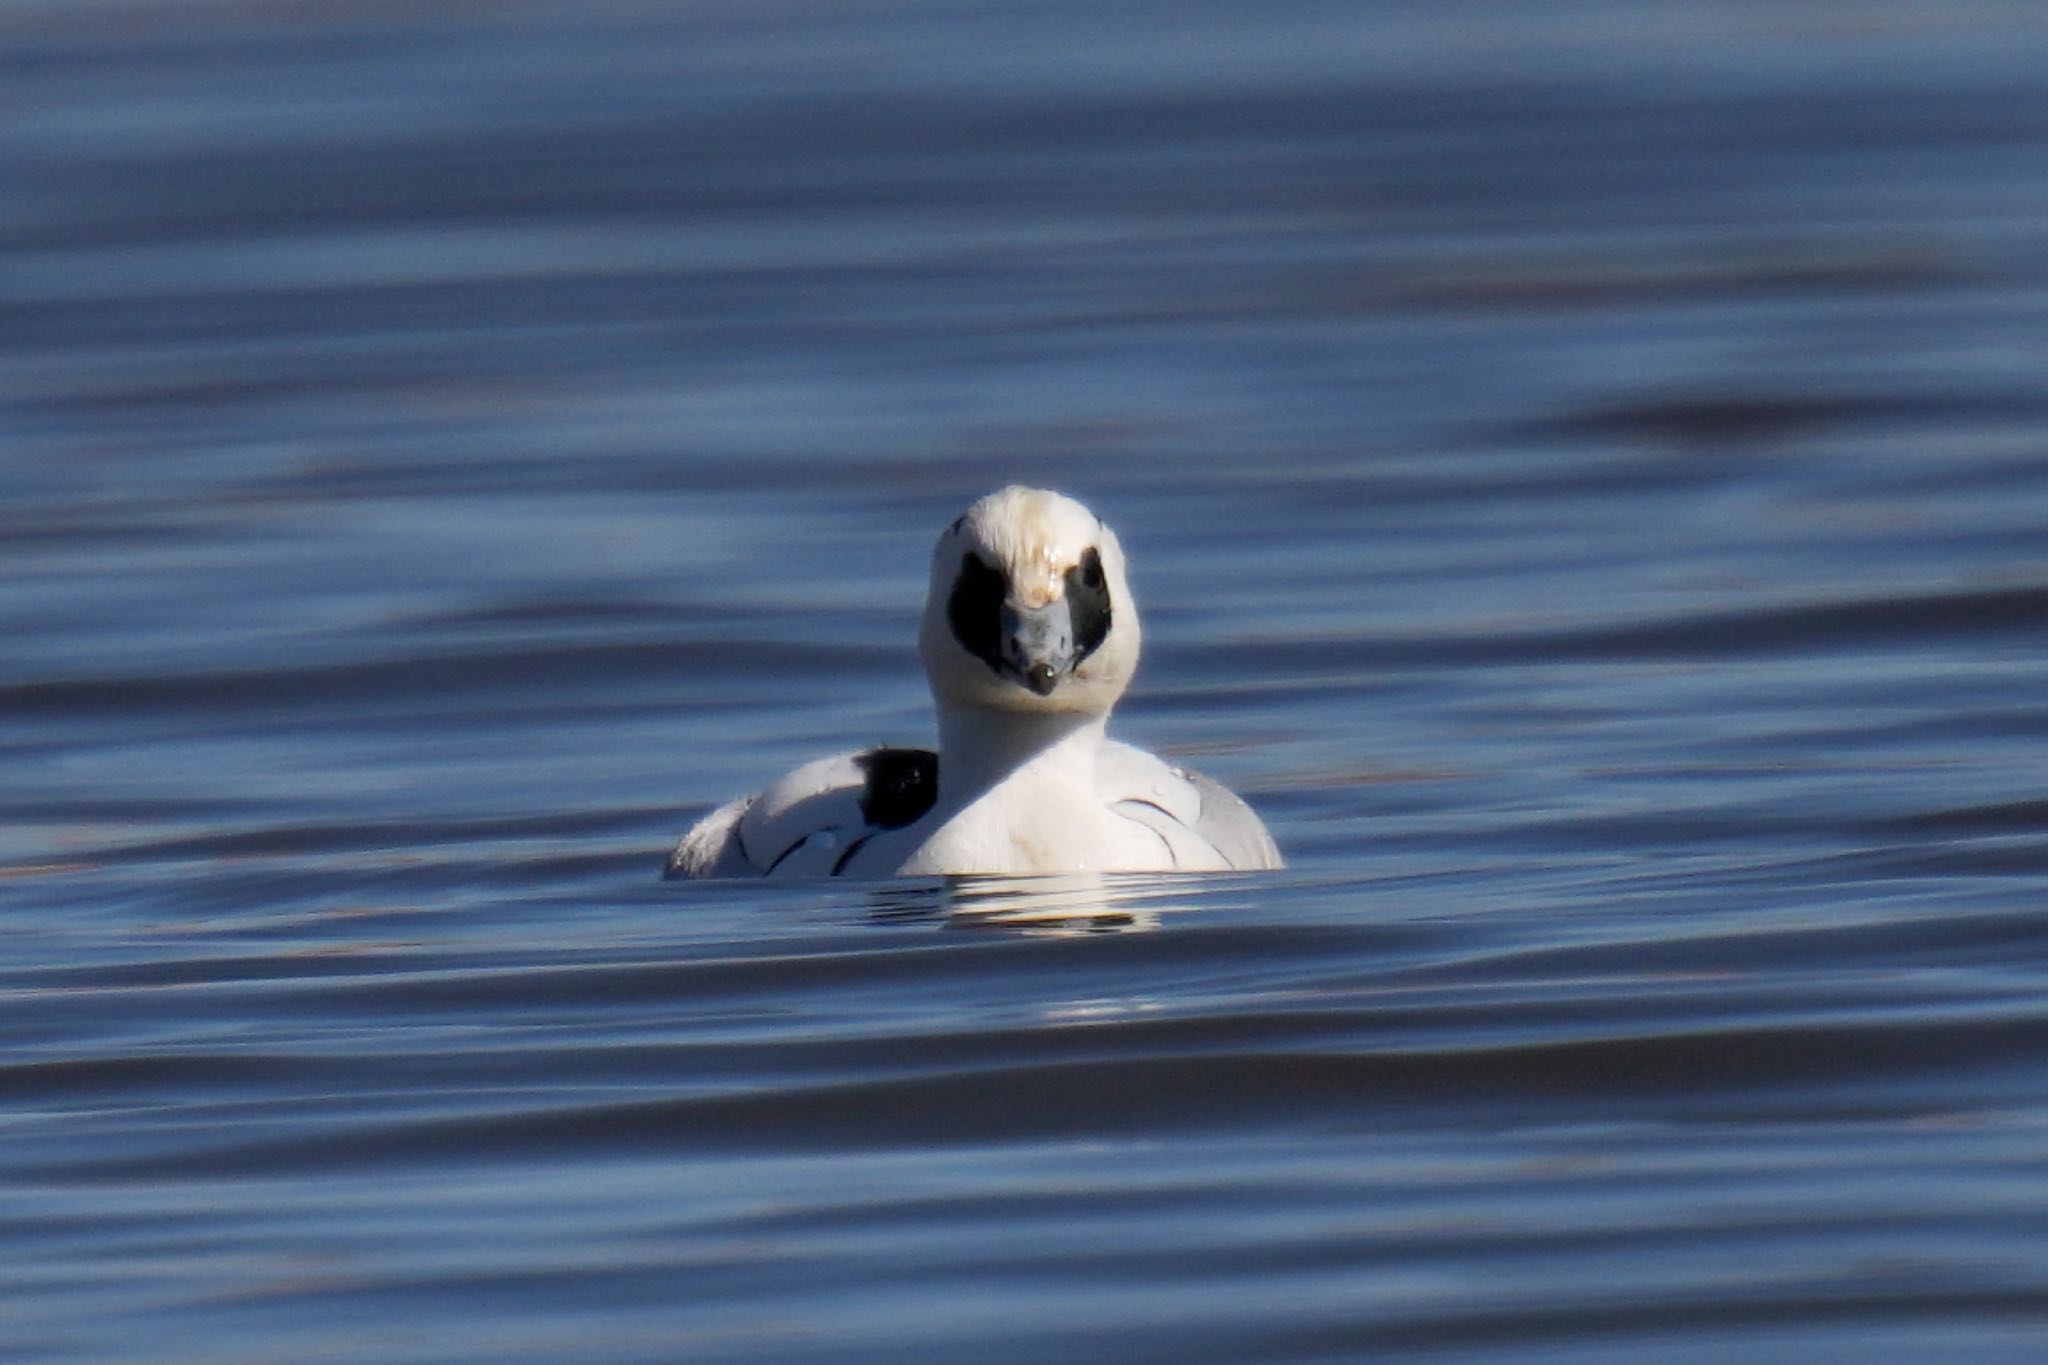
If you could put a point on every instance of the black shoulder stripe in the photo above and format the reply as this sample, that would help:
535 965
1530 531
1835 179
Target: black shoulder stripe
770 869
1148 801
739 835
902 784
1157 833
839 864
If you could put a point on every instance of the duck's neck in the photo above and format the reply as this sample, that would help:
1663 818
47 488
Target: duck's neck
979 749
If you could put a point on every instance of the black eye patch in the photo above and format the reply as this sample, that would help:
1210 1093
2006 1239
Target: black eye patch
1088 604
975 610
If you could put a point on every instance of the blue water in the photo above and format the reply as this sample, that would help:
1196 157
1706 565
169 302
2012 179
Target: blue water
1585 469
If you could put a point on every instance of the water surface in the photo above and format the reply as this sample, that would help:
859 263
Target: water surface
1584 476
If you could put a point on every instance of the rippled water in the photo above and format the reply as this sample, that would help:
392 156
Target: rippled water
1585 470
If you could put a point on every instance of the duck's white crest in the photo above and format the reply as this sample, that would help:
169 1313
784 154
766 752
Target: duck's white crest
1029 637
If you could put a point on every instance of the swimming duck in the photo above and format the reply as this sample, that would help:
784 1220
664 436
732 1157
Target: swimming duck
1029 638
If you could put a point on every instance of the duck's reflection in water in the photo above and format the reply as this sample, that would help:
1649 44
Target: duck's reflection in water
1075 903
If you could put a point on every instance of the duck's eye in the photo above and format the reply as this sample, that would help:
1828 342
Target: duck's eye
1088 603
975 609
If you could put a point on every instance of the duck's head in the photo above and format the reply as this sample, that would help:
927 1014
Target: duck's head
1028 609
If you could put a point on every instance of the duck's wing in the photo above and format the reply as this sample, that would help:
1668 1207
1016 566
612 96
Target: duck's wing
1204 824
812 822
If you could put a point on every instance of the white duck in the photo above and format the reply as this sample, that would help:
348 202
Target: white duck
1029 638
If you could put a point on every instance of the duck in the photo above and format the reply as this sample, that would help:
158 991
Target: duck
1029 638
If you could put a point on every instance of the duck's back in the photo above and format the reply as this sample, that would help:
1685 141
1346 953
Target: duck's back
1204 825
816 820
812 822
